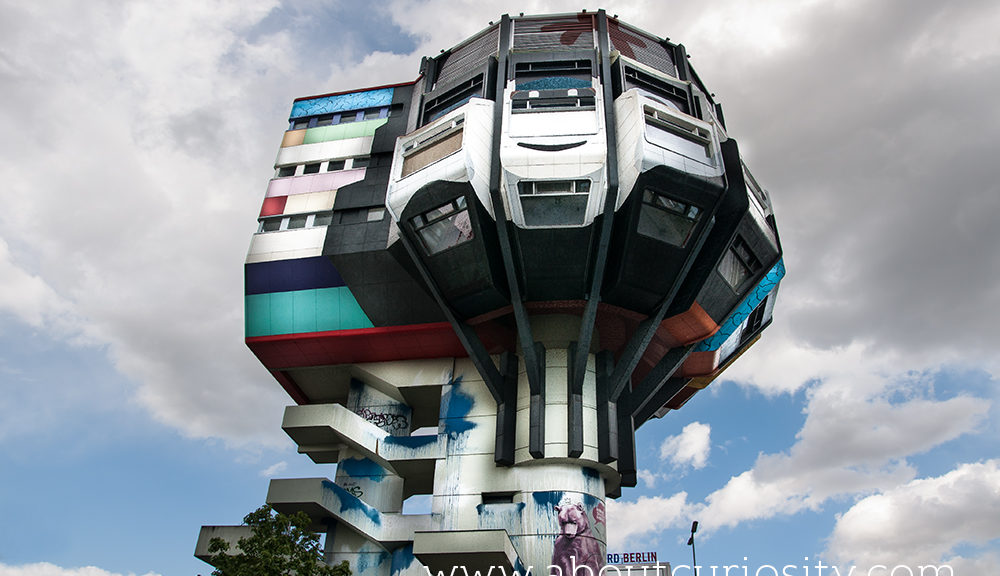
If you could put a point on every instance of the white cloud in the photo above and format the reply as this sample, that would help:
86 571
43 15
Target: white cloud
635 522
274 469
648 477
47 569
690 447
923 521
27 297
861 425
135 172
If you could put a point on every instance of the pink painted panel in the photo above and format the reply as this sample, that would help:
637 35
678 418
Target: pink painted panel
314 182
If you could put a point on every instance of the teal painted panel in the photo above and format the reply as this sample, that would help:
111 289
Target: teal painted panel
257 315
300 311
282 313
328 308
303 311
343 131
351 314
339 102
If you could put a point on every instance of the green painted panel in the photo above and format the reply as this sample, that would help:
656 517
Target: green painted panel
343 131
299 311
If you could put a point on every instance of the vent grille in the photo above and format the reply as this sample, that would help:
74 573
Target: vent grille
555 33
470 57
641 47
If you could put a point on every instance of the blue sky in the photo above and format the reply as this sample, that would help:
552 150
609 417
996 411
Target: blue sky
862 429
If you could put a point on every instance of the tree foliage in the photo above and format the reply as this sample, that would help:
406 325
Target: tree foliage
279 545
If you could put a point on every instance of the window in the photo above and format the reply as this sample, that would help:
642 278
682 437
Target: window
498 497
373 113
299 124
346 117
754 321
311 168
286 171
666 219
376 214
695 140
335 165
738 264
659 89
547 203
325 120
361 162
444 227
426 150
446 102
553 100
297 221
556 75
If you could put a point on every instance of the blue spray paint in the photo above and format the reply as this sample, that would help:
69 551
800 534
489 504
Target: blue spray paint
349 502
455 406
735 319
410 441
402 558
362 467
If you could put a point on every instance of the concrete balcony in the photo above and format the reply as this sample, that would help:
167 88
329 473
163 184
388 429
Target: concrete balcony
324 501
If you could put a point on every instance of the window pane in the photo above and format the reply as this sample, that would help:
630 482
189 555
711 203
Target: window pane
348 117
324 120
664 225
361 162
335 165
734 271
323 219
432 153
554 210
311 168
376 214
271 225
447 232
297 222
286 171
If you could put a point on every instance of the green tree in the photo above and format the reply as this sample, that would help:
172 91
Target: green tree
279 545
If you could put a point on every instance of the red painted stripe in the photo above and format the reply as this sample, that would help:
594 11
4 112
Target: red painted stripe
408 342
290 386
273 206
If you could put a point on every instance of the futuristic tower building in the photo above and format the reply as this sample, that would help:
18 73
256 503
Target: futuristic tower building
477 285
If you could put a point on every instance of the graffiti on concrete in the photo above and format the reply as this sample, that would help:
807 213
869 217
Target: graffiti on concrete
385 420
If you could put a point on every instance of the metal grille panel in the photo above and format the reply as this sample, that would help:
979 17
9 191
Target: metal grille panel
641 47
470 57
555 33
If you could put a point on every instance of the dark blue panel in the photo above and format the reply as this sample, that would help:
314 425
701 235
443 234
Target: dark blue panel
288 275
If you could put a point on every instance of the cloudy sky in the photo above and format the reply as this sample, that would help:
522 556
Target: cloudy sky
139 138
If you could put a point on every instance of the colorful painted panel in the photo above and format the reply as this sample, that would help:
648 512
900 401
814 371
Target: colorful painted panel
273 206
735 319
341 102
343 131
301 311
290 275
313 182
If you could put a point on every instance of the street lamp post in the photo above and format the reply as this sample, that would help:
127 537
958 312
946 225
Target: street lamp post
694 559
